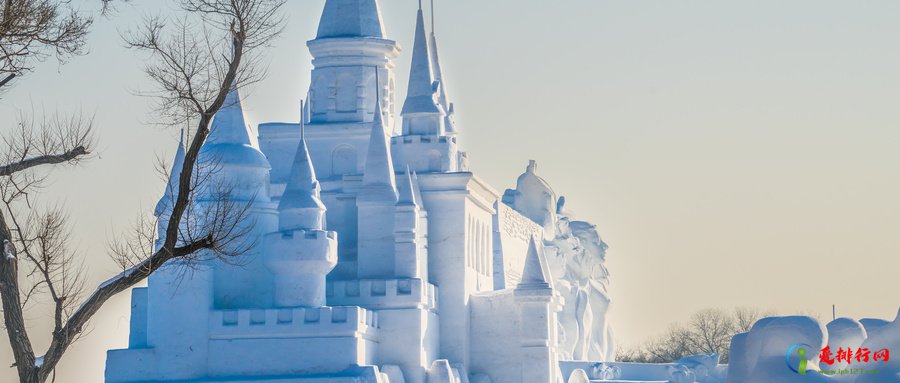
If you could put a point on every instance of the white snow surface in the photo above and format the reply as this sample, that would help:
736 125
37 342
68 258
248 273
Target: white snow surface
760 355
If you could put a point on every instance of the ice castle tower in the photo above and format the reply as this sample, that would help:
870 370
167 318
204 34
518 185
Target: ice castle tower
375 257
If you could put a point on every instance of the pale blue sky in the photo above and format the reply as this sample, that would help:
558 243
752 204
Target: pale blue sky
731 153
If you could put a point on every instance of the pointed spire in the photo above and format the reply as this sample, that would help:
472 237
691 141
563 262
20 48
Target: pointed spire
407 191
351 18
534 275
230 126
438 74
379 171
420 94
442 98
436 67
300 206
174 177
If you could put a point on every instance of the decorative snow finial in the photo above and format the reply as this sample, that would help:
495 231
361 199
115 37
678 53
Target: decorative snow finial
532 166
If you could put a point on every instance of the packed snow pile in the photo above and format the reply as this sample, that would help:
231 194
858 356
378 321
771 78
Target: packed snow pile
800 349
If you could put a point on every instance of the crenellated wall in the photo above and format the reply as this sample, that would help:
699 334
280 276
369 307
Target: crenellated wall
383 293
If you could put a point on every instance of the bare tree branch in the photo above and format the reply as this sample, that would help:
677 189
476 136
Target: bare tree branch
33 30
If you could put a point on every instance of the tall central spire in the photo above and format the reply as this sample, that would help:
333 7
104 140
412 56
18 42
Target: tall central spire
351 18
420 94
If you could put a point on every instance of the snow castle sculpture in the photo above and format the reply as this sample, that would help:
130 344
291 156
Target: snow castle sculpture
376 257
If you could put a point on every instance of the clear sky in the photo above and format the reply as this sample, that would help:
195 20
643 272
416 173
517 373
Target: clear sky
731 153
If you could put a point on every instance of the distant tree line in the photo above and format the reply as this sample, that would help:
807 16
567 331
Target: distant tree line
707 332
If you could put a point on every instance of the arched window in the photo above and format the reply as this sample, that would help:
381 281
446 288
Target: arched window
343 161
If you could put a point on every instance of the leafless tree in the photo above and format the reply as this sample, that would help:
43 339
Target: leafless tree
195 61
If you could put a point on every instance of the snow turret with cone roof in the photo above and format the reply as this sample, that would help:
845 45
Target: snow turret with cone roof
426 145
301 253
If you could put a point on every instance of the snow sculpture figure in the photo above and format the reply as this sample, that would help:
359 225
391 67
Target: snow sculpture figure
534 198
576 257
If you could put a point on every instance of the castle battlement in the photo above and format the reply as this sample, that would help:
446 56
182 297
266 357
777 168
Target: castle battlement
293 322
417 139
383 293
303 235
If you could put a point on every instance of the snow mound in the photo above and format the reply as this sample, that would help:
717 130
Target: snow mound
844 333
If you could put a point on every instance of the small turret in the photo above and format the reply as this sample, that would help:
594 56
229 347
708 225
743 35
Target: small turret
301 254
425 144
